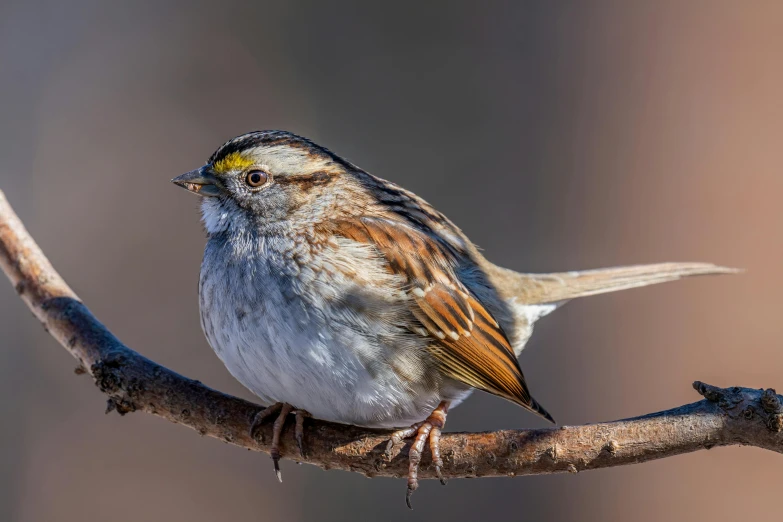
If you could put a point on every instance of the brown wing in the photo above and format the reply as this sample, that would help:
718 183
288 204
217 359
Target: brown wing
469 344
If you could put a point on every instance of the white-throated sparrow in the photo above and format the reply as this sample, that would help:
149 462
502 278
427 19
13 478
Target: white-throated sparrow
327 290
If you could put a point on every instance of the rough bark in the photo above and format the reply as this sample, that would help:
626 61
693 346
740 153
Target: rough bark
732 416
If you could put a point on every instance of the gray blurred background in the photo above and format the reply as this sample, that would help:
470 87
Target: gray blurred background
558 136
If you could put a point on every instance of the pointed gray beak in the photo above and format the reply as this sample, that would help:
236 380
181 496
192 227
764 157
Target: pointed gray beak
199 181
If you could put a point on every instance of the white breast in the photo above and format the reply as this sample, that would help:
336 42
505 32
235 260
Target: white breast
322 329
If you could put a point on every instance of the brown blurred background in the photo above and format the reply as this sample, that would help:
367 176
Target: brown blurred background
558 137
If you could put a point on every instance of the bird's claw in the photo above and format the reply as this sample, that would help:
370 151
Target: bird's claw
282 410
429 430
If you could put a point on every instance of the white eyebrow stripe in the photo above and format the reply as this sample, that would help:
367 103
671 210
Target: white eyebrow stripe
287 160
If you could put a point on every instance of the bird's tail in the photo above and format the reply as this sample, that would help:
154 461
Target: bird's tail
532 289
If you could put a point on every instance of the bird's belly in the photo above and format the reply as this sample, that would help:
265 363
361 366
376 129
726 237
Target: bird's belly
285 348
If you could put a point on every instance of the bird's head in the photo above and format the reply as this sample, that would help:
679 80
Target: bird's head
267 179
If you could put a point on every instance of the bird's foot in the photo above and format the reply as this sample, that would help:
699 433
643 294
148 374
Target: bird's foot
260 418
430 430
300 416
282 410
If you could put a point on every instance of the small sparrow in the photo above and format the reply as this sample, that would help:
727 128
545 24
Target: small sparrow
332 293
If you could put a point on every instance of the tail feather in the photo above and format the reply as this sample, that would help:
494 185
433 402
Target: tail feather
539 294
560 287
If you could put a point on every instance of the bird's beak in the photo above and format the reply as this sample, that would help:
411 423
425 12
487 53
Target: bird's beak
199 181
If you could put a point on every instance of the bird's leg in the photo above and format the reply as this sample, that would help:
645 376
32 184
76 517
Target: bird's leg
430 430
282 410
301 415
277 430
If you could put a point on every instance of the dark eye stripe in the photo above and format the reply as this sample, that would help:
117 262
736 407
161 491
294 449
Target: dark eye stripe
307 180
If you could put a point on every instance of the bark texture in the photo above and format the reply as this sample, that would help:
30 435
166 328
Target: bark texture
132 382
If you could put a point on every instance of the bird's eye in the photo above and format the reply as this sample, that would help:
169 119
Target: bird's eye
256 178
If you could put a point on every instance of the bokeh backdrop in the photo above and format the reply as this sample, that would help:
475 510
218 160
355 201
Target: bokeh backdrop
559 136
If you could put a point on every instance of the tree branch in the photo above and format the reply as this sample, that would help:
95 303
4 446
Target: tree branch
134 383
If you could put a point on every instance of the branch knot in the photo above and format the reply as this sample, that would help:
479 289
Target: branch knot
770 401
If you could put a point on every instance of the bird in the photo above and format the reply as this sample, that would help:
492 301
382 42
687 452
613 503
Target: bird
331 293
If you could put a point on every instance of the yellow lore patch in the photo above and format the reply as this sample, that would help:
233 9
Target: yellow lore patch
232 162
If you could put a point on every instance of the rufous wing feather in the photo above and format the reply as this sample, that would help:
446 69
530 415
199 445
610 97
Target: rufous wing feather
468 343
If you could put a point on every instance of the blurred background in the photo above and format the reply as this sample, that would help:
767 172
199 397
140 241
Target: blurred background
558 136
